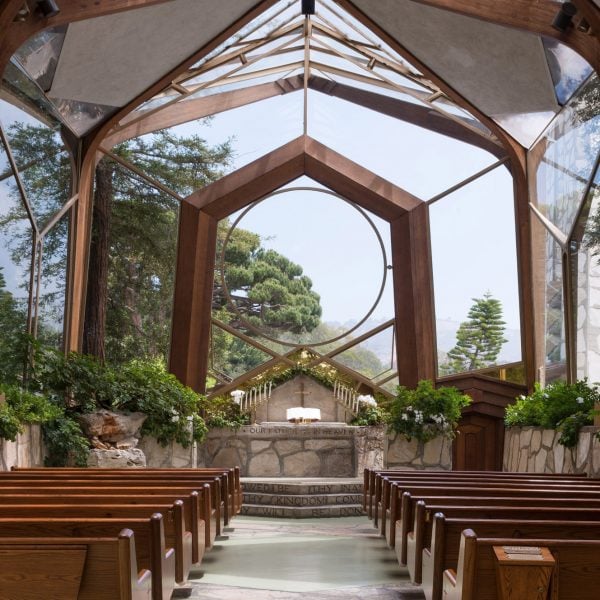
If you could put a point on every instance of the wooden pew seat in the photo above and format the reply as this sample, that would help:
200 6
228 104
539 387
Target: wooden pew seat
81 568
576 570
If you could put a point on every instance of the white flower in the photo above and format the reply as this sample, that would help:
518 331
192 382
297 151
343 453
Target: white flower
404 417
175 418
546 396
580 400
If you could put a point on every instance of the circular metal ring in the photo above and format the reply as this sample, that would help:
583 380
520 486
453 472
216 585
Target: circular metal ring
258 330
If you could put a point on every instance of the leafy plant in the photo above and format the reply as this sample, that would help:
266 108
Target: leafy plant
222 412
566 407
426 412
22 408
81 384
65 442
172 408
368 416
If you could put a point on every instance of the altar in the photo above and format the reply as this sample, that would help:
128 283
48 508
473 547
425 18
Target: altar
282 449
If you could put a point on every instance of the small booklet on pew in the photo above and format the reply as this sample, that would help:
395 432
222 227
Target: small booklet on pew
523 552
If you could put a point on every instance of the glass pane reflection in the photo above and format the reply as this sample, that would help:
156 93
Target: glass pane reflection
51 311
585 259
565 156
567 68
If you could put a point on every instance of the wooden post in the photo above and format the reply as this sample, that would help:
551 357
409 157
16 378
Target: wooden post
192 304
413 297
525 573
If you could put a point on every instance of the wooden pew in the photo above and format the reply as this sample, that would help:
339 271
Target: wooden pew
413 525
446 537
372 487
32 569
191 504
176 535
151 550
121 486
232 489
465 488
388 504
420 536
98 478
576 570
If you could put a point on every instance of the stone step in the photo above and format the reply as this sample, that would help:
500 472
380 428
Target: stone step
303 500
304 487
302 512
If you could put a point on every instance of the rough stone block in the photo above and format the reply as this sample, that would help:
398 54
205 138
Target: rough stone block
548 438
338 463
116 459
401 451
326 444
302 464
265 464
432 451
284 447
259 445
226 457
536 441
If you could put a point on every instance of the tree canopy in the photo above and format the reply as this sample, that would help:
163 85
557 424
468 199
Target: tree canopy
480 338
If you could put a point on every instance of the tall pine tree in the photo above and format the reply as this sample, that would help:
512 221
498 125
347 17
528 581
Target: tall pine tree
480 339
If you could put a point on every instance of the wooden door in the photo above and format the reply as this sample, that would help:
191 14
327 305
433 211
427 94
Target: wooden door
479 444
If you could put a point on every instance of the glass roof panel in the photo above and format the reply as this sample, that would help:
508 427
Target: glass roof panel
570 147
39 55
567 68
20 90
525 127
400 152
252 130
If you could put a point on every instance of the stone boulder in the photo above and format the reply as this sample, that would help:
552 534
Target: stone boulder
116 459
106 428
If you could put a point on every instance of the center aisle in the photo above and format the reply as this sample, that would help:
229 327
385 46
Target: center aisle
277 559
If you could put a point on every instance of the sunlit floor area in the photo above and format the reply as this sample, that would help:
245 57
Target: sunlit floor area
281 558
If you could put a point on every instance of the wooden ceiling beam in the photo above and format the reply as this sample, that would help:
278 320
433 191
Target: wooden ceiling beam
409 112
357 184
190 110
303 156
534 16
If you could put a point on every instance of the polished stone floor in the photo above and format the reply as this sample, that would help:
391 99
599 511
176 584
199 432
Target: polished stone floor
320 559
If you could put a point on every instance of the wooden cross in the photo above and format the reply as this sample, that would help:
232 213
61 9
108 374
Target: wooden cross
302 393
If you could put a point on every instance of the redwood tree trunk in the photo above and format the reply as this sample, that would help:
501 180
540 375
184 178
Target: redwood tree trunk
94 326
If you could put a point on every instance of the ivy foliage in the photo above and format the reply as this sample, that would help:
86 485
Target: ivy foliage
80 384
426 412
22 408
566 407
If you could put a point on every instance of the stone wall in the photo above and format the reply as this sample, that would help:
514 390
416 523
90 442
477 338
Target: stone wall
536 450
171 456
285 450
415 455
26 451
291 393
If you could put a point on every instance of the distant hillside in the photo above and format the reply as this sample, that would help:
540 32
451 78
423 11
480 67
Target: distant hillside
381 344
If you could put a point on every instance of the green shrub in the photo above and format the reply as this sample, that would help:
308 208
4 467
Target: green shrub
172 408
223 412
81 384
22 408
66 445
426 412
566 407
368 416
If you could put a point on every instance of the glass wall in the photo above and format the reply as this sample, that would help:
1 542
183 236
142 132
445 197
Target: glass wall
34 188
475 275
